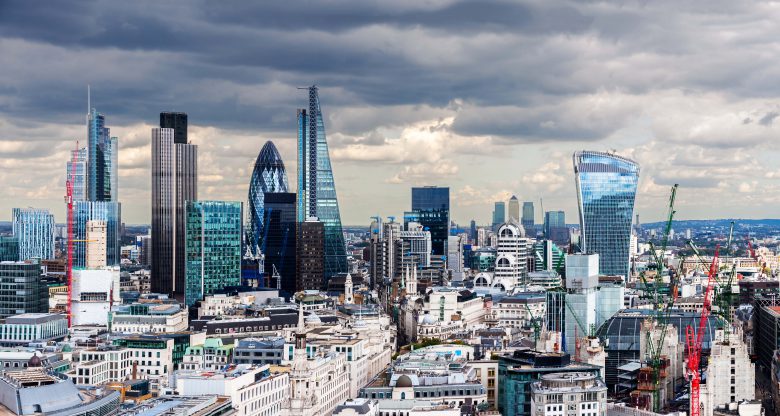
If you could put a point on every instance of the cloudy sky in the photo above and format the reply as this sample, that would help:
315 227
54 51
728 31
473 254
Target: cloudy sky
488 97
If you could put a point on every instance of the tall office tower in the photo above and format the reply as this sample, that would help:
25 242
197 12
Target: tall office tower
76 172
376 250
34 228
499 215
473 232
176 121
514 209
279 242
416 245
310 259
90 211
582 281
511 255
316 186
174 182
431 208
21 288
606 190
102 150
528 214
269 176
96 244
393 250
213 247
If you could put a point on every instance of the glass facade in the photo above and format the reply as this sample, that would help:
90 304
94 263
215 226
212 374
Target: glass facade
431 208
499 214
111 213
269 176
9 248
34 228
280 240
213 248
606 190
316 186
77 173
528 214
101 159
21 289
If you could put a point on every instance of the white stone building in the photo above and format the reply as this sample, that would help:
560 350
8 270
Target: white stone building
512 253
94 293
569 394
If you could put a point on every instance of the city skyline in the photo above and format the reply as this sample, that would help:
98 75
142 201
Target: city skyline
487 135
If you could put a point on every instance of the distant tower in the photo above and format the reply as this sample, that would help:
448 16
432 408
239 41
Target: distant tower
528 215
411 285
514 209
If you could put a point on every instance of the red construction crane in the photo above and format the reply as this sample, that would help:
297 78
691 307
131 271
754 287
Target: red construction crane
750 248
695 340
69 203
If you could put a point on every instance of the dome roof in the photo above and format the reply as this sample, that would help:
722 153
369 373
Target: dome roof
427 319
34 361
312 318
404 381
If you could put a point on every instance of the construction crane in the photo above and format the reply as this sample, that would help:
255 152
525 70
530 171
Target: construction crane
731 234
695 340
535 323
662 308
70 225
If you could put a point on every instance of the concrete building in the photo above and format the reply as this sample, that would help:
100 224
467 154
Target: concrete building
254 391
487 374
561 394
153 355
259 351
512 254
455 256
520 310
582 279
25 328
97 239
310 260
141 318
443 312
730 373
100 365
94 292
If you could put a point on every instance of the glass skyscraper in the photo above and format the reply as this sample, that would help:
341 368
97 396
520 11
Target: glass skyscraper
279 240
499 214
101 159
269 176
606 190
213 247
85 211
34 229
431 208
528 214
77 173
316 187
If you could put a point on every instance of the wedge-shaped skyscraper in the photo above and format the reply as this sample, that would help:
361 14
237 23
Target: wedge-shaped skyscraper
269 176
316 187
606 190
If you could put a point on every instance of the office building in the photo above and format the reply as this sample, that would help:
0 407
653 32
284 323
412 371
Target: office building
258 351
431 209
557 394
455 255
316 185
94 292
140 318
21 288
174 182
213 251
514 209
554 220
512 255
549 257
268 176
96 244
528 219
87 212
22 329
280 240
102 160
520 370
582 280
416 245
76 173
176 121
499 215
610 298
9 248
731 376
606 190
310 260
34 230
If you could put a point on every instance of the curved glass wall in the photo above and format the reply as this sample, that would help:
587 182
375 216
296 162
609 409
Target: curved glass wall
269 176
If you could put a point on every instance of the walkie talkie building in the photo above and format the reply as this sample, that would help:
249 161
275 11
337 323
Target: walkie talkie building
606 190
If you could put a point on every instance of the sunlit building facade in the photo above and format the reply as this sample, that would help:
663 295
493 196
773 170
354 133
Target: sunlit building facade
269 176
34 230
606 190
316 186
105 211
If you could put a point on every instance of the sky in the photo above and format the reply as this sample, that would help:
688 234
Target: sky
490 98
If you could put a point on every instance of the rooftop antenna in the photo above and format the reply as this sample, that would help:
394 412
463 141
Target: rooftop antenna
89 100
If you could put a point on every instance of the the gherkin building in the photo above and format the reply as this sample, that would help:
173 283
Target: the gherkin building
268 176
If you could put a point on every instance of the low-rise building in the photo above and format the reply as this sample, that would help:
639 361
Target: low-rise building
152 355
100 365
141 318
25 328
259 351
212 354
564 394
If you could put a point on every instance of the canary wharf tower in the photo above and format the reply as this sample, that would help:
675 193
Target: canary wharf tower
316 187
606 190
